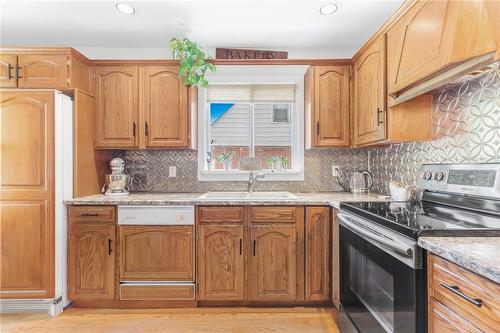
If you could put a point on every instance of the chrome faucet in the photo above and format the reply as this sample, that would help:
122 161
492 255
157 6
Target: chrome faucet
253 179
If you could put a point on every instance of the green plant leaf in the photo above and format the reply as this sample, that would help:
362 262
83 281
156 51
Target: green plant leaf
193 62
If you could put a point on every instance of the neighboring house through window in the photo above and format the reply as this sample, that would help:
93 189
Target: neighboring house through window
252 119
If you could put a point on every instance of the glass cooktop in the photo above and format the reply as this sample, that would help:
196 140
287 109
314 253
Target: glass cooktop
416 219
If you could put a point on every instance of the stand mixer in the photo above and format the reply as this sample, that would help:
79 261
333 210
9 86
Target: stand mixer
117 180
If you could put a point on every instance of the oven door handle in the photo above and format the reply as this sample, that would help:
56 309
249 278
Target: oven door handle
392 244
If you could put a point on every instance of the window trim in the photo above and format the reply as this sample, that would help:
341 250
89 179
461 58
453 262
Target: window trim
295 174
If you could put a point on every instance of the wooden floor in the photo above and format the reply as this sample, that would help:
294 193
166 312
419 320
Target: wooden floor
213 320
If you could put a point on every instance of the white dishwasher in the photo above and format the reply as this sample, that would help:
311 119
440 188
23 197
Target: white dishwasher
156 254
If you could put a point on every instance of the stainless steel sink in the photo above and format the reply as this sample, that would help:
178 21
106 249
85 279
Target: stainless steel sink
237 196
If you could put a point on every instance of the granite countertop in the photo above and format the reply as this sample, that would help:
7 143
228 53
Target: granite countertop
321 198
480 255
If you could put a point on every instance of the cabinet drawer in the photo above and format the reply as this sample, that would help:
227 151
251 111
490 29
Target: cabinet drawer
465 293
443 320
217 214
92 213
272 214
157 292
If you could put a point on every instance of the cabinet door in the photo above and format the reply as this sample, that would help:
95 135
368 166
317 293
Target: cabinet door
8 63
331 106
43 71
317 253
221 262
117 101
335 260
156 253
164 106
91 262
26 195
369 94
273 263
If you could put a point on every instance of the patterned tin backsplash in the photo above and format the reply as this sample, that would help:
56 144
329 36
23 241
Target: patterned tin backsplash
466 129
149 171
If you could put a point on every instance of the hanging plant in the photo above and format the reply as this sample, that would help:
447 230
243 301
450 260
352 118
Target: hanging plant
193 61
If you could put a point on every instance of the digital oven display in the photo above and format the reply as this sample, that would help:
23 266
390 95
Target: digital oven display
483 178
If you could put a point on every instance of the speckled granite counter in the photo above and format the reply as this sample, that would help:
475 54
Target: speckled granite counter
480 255
323 198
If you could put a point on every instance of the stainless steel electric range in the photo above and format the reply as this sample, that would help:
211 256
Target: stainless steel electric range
383 271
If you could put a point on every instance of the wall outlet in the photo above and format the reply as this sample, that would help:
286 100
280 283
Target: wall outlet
335 170
172 171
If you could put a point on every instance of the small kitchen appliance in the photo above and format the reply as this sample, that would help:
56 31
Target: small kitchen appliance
117 181
358 181
383 281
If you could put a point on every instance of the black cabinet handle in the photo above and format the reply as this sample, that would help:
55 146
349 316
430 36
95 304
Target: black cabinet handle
10 71
254 246
317 128
18 71
134 127
146 129
110 249
241 246
89 214
379 112
456 290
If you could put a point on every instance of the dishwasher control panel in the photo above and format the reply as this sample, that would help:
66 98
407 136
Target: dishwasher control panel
156 215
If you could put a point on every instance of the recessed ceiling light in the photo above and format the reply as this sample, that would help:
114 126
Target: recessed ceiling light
125 9
328 8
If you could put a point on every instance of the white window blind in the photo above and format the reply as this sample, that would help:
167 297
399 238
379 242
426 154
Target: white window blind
277 93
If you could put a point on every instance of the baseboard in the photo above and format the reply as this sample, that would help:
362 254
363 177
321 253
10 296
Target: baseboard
54 307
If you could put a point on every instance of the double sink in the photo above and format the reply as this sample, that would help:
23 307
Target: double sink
253 196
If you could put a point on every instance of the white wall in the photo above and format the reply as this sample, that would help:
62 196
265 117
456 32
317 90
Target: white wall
131 53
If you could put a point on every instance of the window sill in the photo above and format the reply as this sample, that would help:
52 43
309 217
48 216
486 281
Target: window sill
239 175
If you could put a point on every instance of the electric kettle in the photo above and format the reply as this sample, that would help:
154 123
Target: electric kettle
358 181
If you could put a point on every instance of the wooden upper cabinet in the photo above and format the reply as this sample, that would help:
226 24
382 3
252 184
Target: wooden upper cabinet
43 70
117 106
327 106
370 94
317 253
8 78
156 253
91 261
273 263
221 258
434 35
164 101
26 195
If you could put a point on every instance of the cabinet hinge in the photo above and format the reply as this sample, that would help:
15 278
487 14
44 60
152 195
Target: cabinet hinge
68 62
68 81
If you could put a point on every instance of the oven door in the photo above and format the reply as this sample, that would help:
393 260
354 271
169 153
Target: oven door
380 292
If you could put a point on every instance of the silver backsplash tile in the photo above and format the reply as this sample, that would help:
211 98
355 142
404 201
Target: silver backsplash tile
149 171
466 129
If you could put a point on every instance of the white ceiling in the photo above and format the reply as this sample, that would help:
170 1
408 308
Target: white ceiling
295 26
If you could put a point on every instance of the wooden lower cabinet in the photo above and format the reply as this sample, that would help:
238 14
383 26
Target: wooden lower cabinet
221 262
162 253
335 257
317 253
460 300
91 261
273 270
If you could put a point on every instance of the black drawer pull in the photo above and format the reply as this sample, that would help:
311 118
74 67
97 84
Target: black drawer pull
89 214
456 290
254 247
241 246
10 71
110 249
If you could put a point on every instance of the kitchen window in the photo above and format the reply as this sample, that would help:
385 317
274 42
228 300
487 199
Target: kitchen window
251 125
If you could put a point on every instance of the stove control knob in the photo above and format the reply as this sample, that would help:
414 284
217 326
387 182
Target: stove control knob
427 175
439 176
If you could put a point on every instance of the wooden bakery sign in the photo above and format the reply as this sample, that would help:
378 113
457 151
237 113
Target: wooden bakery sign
249 54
